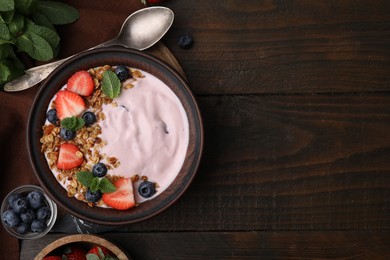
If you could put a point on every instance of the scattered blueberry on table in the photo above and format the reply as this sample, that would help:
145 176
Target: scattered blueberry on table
185 41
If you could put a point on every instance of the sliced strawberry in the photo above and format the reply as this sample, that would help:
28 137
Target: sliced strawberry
123 197
102 254
69 157
69 104
81 83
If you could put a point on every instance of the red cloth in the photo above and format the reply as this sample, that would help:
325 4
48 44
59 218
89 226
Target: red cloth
99 21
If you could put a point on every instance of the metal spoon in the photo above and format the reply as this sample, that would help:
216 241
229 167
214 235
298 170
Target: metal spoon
141 30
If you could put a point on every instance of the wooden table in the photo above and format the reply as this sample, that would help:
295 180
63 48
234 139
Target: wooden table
295 97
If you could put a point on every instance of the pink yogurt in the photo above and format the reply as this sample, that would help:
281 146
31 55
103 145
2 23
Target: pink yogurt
148 132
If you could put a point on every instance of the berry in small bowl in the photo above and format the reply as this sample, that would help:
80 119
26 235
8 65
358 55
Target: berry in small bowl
28 213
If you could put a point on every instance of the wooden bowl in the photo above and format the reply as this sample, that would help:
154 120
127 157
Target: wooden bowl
84 241
135 59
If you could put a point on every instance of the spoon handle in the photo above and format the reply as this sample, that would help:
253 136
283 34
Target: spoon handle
32 76
35 75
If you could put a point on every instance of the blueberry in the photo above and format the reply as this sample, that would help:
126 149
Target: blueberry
28 216
52 117
122 72
23 228
146 189
43 213
38 226
12 198
10 218
93 196
99 170
185 41
89 118
67 134
35 199
20 205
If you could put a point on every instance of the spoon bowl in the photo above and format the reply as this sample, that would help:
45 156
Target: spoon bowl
144 28
141 30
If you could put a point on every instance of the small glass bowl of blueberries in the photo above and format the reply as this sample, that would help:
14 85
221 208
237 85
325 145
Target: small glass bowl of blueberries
28 213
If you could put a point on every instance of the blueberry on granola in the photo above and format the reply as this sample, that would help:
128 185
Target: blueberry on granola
51 116
146 189
122 72
93 196
67 134
99 170
89 118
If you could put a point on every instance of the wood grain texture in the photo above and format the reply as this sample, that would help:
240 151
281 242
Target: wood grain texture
284 46
295 101
242 245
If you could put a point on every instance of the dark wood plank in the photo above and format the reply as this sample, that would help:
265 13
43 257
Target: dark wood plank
242 245
288 163
284 46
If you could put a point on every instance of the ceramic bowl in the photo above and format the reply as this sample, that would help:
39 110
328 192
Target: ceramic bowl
134 59
83 241
23 191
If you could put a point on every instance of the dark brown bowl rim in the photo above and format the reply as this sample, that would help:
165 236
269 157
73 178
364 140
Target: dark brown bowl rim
135 59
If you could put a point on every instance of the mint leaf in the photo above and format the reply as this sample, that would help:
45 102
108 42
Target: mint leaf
41 19
7 16
26 7
16 25
91 256
58 13
95 184
85 178
69 123
35 46
10 66
72 123
4 32
7 5
106 186
111 85
49 35
4 72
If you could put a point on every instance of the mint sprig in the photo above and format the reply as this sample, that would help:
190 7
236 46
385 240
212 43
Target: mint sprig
72 123
85 178
95 183
111 84
29 26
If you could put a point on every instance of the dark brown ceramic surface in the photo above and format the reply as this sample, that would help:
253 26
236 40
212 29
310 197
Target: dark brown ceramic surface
135 59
